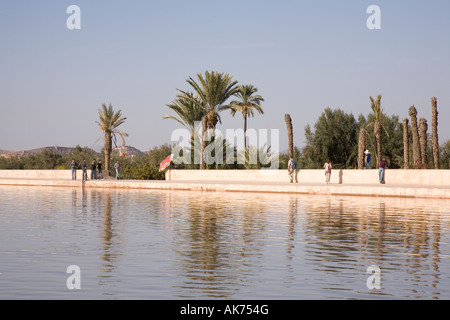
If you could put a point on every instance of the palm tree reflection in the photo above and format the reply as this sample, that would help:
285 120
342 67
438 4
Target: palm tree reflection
400 233
219 246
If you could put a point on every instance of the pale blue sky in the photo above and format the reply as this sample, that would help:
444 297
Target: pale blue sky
303 56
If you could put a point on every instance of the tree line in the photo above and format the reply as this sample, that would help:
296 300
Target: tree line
336 135
343 138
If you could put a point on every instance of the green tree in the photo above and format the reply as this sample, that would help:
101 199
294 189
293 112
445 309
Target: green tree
109 121
445 155
334 137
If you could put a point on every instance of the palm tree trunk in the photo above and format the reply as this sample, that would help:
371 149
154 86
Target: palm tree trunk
245 131
204 133
377 133
435 132
362 141
405 144
415 134
423 127
108 150
288 120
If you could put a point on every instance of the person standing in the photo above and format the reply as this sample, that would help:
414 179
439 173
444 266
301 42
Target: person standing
99 170
117 167
292 166
327 166
74 165
84 170
93 168
381 170
367 159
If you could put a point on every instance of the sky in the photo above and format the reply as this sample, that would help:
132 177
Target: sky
303 56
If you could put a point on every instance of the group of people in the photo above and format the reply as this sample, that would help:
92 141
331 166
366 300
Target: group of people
293 172
96 170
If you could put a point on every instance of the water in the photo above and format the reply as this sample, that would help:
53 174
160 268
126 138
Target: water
137 244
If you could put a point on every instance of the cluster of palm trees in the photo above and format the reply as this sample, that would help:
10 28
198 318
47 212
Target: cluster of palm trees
419 136
209 97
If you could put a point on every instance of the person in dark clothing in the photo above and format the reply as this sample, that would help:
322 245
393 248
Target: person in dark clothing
381 171
74 165
99 169
84 169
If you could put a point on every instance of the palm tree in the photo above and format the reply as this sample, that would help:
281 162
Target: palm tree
248 103
405 144
415 134
423 128
108 122
213 90
190 112
288 120
376 108
435 139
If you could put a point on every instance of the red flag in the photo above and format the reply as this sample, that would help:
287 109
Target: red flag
166 163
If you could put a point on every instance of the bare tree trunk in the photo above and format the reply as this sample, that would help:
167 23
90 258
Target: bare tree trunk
415 135
362 141
423 127
405 144
435 138
288 120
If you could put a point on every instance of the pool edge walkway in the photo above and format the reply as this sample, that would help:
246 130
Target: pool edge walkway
408 191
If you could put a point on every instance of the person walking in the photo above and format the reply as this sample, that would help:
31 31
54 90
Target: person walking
84 170
327 166
292 169
74 165
117 167
381 170
99 170
367 159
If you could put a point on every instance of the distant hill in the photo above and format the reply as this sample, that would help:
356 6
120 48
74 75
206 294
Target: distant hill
128 150
6 153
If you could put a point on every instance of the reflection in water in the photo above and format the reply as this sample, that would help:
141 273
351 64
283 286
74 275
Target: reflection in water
398 238
216 244
163 244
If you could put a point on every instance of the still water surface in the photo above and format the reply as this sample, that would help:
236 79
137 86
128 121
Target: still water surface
132 244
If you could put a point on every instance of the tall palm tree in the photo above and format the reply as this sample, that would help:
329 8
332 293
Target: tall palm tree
108 122
213 90
405 144
417 154
248 102
376 108
435 139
